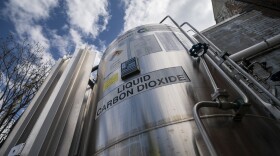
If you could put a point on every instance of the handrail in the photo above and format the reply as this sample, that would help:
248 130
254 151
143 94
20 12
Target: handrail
225 105
194 42
177 25
248 76
205 39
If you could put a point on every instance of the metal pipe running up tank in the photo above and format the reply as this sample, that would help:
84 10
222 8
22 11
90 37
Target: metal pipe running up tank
209 103
200 126
269 106
248 76
213 83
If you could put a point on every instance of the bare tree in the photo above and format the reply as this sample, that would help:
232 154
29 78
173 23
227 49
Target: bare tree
22 71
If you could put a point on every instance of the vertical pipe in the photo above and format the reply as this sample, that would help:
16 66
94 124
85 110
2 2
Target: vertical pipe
213 83
240 92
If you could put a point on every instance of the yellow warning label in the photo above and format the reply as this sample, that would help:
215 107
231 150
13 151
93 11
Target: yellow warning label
113 79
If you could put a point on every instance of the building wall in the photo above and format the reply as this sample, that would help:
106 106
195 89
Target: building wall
245 30
224 9
272 4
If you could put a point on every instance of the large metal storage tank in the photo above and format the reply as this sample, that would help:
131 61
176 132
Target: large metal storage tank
149 112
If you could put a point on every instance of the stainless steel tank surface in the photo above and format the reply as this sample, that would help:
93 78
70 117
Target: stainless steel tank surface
150 112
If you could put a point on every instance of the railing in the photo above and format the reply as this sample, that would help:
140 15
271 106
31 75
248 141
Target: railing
220 103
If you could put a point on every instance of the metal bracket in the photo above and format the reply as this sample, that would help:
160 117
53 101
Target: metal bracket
222 57
219 93
94 68
91 83
223 54
241 110
16 150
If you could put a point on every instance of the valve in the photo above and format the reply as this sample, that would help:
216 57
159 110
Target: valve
198 49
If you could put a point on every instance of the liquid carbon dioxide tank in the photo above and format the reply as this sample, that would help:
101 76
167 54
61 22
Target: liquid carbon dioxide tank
147 86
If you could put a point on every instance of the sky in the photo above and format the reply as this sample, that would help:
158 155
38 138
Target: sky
64 26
